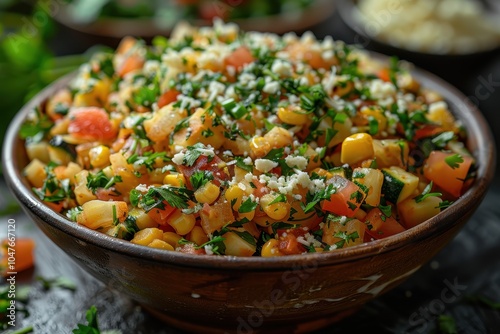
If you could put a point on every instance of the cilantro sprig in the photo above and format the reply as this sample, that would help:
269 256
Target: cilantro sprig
175 196
427 193
454 160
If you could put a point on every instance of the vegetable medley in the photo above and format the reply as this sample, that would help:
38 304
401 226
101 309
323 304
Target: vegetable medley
217 141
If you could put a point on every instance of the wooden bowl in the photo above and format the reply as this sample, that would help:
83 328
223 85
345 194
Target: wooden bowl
296 293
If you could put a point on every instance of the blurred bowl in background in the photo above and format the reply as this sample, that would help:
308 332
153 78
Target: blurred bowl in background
428 36
293 19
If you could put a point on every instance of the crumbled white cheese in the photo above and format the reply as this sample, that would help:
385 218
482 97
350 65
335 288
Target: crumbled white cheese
178 158
272 87
296 162
265 165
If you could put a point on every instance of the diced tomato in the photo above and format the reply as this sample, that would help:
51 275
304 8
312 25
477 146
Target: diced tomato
213 165
346 200
168 97
56 206
428 130
380 226
160 216
450 179
239 58
24 248
288 243
214 217
91 123
131 63
108 194
384 74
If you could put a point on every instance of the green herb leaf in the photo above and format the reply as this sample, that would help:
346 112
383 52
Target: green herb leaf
59 282
91 327
200 178
454 160
426 193
248 206
176 197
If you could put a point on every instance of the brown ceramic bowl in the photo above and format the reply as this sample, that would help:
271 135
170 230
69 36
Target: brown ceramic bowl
282 294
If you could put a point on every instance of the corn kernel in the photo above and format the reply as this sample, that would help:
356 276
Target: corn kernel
99 156
208 193
175 180
271 248
160 244
356 148
291 116
146 236
275 211
234 194
182 223
172 238
142 219
197 235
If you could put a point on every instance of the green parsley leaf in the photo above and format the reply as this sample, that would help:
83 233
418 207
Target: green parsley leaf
35 131
100 180
345 238
283 226
200 178
193 153
373 125
241 164
134 197
426 193
91 327
234 109
454 160
246 236
247 206
176 197
278 199
386 210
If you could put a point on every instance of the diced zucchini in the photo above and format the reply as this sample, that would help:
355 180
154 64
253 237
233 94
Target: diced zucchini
372 179
398 184
60 151
344 171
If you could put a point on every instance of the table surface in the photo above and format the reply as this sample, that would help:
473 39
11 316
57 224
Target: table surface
470 262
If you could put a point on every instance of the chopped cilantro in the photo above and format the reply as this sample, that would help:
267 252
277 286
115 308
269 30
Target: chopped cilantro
100 180
323 194
386 210
247 206
426 193
35 131
373 125
176 197
241 164
278 199
92 326
345 238
200 178
193 153
442 139
454 160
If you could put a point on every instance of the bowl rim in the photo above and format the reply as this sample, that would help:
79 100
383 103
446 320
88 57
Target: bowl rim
347 9
479 136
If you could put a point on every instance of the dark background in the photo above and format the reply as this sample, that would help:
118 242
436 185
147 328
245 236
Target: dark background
471 262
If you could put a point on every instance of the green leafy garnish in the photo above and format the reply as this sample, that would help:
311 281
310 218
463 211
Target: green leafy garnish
174 196
36 130
345 238
454 160
91 327
427 193
200 178
100 180
241 164
193 153
247 206
148 159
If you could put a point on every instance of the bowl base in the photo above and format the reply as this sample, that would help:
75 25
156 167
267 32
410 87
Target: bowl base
296 328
